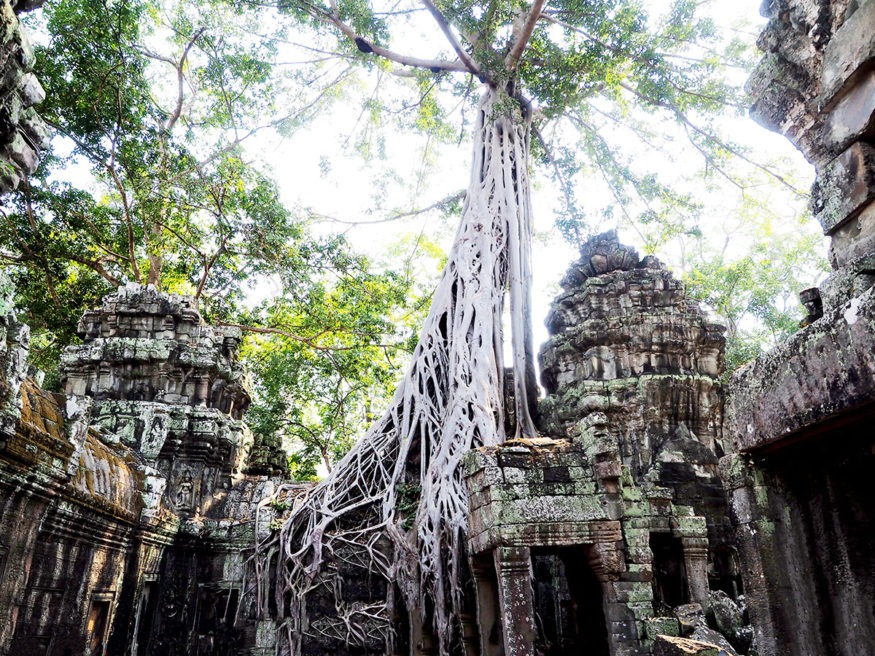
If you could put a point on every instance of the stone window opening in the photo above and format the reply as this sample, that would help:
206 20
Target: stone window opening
725 572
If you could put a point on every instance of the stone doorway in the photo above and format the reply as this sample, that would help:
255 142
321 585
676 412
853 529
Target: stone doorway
568 604
98 622
145 618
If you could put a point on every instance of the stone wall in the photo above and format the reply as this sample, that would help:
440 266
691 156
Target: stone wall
797 416
625 340
23 134
125 513
164 384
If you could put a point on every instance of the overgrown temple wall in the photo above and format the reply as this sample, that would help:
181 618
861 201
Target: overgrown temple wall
799 417
125 513
23 134
129 503
611 536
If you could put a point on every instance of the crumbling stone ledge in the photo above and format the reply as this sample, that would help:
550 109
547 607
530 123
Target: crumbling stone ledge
824 370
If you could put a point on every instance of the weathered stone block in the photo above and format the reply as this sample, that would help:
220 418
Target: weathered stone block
692 526
666 626
632 591
851 118
854 239
845 186
664 645
820 371
516 475
779 88
690 617
22 153
851 47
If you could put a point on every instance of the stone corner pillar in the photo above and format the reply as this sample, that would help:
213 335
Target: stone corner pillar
513 566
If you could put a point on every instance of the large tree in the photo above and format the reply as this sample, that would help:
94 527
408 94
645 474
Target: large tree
542 66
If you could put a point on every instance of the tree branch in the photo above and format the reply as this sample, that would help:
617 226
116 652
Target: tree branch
309 341
97 267
460 51
401 215
180 78
365 46
110 168
522 39
684 120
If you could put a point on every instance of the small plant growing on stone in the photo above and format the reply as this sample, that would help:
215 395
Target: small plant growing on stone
280 505
275 525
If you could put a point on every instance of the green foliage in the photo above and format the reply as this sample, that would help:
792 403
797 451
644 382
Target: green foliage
329 367
155 101
407 503
754 290
279 505
605 81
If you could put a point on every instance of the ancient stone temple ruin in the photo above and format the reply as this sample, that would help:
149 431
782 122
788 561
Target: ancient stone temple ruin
660 511
798 417
126 514
592 536
132 500
22 132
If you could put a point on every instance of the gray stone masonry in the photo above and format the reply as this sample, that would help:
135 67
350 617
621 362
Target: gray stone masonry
627 493
166 385
125 514
23 134
799 417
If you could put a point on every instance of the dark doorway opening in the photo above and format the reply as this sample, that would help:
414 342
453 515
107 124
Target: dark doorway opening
488 606
146 616
669 572
216 614
401 624
98 616
568 604
725 572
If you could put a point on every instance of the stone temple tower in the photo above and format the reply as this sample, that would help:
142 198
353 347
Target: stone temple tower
612 533
160 381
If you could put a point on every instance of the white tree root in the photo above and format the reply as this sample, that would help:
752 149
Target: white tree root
395 506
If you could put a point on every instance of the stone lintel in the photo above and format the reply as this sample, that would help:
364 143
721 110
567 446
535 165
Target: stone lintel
557 534
824 370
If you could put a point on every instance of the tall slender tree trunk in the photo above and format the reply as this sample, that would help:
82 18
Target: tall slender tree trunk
403 479
155 264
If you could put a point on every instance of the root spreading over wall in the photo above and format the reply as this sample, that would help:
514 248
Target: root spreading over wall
394 507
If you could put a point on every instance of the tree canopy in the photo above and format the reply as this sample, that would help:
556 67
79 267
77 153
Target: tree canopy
149 180
395 506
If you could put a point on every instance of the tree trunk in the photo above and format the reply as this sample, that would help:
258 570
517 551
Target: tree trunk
449 402
155 264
